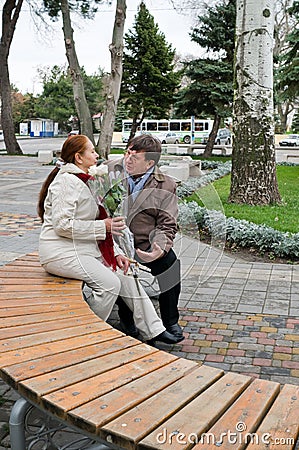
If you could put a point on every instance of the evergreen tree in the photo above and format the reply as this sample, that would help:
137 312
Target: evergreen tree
121 114
149 80
210 91
289 71
286 23
295 123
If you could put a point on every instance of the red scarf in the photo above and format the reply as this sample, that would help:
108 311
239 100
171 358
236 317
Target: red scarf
106 246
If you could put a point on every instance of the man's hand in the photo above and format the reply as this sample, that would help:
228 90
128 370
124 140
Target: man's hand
147 257
123 263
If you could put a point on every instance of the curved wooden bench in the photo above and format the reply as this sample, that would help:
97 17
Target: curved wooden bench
57 354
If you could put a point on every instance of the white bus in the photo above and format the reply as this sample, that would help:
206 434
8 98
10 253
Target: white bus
182 127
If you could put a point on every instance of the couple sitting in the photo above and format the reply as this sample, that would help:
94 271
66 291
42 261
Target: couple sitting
73 227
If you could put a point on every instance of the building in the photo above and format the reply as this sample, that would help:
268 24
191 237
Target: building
39 128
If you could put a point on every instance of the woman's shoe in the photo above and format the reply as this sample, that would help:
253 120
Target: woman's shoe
175 329
166 337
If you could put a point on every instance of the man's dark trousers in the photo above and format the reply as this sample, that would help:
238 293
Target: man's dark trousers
167 271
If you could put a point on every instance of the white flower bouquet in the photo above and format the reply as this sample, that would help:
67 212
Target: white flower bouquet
107 190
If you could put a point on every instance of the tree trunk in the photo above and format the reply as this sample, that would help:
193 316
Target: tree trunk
211 141
253 161
284 109
136 122
113 88
10 15
78 86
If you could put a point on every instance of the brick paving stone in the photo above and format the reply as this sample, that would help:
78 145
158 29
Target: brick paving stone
240 368
220 344
238 360
227 332
262 354
261 362
283 372
265 341
282 356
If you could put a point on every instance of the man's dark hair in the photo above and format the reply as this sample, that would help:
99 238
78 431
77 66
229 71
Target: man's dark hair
148 144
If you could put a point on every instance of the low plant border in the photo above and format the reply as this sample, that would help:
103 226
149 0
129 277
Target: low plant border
240 233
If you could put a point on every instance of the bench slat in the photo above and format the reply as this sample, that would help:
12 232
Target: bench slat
87 370
45 317
44 294
59 324
281 422
249 409
41 288
39 309
57 347
33 274
76 300
195 418
41 280
101 410
22 269
64 400
43 338
39 366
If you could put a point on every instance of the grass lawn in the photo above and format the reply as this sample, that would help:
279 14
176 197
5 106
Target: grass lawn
283 217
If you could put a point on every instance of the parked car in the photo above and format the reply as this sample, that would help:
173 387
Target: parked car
1 135
73 132
223 137
169 138
290 141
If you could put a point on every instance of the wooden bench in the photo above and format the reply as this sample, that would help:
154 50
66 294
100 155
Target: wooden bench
60 357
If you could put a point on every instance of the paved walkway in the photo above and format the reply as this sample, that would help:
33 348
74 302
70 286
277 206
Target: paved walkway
236 315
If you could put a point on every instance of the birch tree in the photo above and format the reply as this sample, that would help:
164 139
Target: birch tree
113 81
254 179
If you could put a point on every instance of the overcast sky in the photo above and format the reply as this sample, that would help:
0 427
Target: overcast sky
31 48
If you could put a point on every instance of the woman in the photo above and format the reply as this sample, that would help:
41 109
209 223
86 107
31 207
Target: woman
71 232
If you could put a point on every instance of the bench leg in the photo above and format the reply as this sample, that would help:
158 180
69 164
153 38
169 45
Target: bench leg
17 424
20 440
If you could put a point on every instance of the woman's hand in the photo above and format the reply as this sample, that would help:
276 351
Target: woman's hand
123 263
115 225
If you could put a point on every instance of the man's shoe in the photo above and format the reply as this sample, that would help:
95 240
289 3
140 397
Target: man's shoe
166 337
129 329
175 329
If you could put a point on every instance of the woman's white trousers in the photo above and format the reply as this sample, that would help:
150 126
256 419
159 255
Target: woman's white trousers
106 285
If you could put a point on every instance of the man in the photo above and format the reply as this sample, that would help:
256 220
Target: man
151 210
